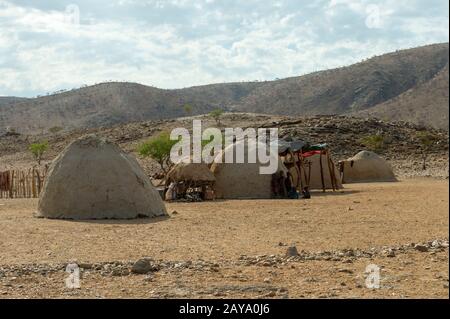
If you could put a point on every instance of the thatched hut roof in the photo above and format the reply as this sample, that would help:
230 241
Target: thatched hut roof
195 172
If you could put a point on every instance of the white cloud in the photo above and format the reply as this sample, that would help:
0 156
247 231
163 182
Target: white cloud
179 43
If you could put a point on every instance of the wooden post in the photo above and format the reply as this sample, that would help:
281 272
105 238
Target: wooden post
298 166
11 182
33 183
321 172
309 173
38 182
330 169
334 175
24 185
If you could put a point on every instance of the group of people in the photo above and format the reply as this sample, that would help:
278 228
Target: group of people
282 187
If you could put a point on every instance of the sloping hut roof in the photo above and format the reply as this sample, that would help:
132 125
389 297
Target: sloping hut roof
195 172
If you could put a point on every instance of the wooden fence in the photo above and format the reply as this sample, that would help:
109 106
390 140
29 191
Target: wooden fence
22 184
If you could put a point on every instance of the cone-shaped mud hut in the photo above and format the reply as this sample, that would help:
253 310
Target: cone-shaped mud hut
94 179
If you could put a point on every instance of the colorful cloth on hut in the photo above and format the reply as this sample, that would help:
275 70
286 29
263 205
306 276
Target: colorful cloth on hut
311 150
311 153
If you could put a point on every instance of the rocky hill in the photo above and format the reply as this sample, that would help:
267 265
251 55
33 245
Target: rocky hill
350 89
425 104
344 134
113 103
409 85
8 100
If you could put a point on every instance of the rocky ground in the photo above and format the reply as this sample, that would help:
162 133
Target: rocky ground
318 248
148 278
402 147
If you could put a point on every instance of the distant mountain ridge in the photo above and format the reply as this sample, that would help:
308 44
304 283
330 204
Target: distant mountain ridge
6 100
395 85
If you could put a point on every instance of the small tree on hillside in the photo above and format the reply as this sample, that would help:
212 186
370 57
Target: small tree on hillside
427 141
216 115
158 148
38 150
188 109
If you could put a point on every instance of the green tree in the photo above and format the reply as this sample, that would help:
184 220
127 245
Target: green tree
427 141
38 150
188 109
374 143
158 148
216 115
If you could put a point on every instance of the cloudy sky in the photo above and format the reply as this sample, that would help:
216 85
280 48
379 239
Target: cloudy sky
61 44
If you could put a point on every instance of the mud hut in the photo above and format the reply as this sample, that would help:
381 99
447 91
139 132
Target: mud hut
242 180
93 178
366 166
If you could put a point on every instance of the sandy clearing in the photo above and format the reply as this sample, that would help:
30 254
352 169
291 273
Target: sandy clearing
361 216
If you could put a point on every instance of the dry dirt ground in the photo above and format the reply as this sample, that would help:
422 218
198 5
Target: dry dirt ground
236 248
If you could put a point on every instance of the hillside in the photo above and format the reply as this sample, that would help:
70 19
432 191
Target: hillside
415 75
342 133
425 104
8 100
107 104
349 89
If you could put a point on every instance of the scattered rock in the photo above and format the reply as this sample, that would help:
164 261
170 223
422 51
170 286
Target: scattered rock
292 251
347 271
85 266
390 253
436 244
142 266
421 248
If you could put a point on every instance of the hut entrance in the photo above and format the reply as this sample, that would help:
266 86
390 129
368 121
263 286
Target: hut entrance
190 182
